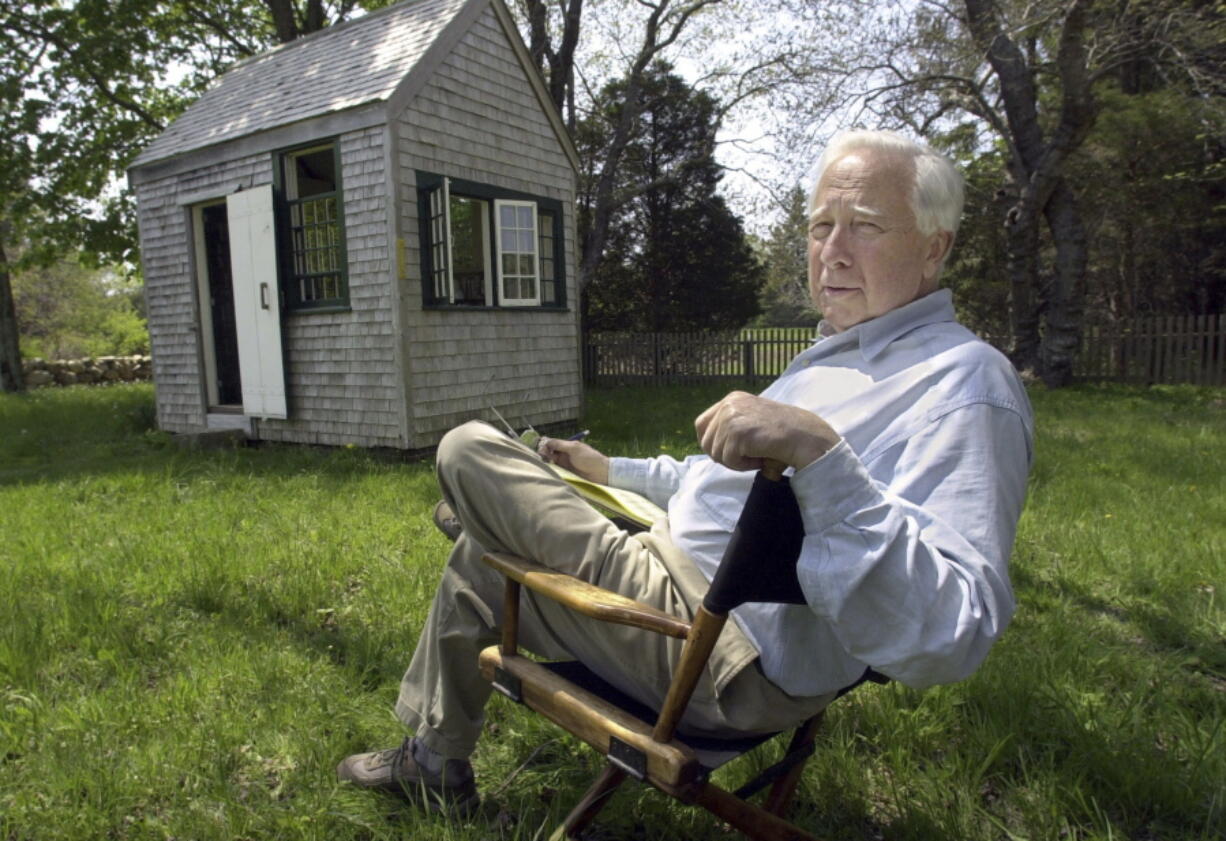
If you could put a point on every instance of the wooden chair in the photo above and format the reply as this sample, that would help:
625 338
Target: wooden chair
759 566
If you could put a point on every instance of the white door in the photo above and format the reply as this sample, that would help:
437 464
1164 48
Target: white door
257 304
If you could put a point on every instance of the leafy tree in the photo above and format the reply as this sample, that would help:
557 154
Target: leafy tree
637 34
67 310
1150 151
676 256
83 87
976 269
785 299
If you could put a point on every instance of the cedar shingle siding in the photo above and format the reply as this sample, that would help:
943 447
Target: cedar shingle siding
388 372
478 119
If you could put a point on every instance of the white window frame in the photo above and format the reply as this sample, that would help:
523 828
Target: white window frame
499 251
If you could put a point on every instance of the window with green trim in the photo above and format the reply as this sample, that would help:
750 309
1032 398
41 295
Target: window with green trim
315 271
487 247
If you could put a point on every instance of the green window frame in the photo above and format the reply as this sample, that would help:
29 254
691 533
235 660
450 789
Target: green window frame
312 227
485 247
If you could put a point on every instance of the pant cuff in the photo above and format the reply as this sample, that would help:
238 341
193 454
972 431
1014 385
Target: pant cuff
448 748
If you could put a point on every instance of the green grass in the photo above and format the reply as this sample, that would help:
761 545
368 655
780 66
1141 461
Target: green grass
191 640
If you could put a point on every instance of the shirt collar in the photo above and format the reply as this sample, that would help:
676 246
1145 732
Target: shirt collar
877 333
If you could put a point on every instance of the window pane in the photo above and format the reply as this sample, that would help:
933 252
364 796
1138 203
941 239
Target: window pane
468 248
314 173
524 217
525 265
506 218
508 264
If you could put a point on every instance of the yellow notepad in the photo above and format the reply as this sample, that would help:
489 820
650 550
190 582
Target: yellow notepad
614 502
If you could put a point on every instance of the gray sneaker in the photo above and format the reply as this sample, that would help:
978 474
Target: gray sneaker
395 771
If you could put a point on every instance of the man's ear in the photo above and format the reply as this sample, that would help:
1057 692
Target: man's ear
939 245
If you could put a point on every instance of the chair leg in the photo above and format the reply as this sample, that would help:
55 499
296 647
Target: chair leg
752 820
781 792
594 799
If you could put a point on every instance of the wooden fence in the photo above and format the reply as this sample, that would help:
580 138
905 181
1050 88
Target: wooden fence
750 355
1159 349
1155 349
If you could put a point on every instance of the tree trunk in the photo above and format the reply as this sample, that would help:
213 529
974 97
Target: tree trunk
1063 304
1045 319
282 12
11 378
558 66
1022 267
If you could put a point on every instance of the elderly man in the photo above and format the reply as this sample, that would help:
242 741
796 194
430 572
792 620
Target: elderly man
909 442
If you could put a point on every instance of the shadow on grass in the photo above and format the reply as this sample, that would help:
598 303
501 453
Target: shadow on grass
1164 630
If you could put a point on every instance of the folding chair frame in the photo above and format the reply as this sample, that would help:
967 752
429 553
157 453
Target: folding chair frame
650 753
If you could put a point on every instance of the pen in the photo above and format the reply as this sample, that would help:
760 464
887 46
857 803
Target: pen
579 436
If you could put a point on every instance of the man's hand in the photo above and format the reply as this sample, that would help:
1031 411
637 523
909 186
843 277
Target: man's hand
743 430
576 457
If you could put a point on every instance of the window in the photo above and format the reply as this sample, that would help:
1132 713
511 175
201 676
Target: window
487 247
314 231
545 256
517 246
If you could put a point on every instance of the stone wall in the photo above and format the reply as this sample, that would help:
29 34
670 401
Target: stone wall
41 372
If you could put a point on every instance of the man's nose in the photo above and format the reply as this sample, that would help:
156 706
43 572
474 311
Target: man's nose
835 252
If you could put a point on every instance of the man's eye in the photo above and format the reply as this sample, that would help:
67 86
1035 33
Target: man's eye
864 227
820 230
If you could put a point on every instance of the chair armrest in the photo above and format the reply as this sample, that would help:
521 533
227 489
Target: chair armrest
585 598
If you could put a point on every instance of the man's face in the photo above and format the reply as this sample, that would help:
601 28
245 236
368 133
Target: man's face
866 255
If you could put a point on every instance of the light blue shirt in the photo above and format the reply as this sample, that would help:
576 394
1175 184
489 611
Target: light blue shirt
909 520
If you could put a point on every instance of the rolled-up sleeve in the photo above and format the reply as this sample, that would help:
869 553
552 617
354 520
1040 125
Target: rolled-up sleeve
906 552
655 478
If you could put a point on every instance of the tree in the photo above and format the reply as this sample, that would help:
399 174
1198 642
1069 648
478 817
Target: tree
83 87
10 351
639 33
785 299
677 258
976 269
549 23
1150 150
67 310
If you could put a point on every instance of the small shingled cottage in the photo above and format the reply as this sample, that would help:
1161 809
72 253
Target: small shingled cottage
365 237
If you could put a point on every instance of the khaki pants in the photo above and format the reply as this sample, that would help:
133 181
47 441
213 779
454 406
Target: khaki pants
510 501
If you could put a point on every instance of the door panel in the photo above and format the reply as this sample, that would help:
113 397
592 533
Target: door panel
257 303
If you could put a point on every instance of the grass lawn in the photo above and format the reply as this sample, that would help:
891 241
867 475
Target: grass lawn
190 641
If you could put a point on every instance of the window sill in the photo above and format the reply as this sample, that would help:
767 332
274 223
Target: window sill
318 310
484 308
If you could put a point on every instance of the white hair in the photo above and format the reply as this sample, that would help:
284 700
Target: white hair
937 192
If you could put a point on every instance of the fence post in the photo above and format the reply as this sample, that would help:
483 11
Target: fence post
655 358
747 369
1220 364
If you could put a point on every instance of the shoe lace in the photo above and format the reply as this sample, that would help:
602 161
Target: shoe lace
398 755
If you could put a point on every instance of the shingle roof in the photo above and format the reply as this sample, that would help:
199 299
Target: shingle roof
350 64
